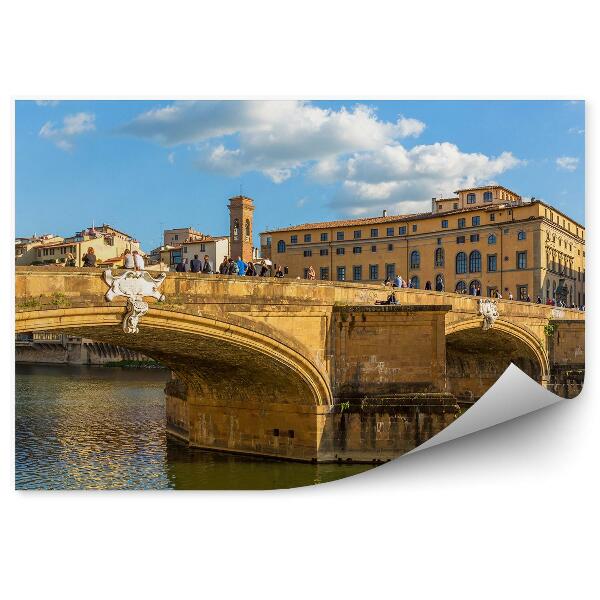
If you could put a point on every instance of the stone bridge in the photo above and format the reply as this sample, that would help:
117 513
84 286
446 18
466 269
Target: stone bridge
311 370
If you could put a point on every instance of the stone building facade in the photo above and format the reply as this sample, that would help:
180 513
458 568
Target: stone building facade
108 243
486 237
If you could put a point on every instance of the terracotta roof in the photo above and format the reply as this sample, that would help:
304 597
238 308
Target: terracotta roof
347 222
398 218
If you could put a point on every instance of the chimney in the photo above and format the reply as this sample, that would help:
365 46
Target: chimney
385 212
433 204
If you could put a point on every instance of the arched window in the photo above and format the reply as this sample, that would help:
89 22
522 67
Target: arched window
414 282
247 227
521 235
475 288
475 262
236 229
415 259
491 239
439 257
280 246
439 283
461 262
461 287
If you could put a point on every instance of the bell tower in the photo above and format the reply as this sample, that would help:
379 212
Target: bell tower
240 227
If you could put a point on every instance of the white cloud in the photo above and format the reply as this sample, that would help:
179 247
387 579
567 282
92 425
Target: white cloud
72 126
171 158
351 147
274 137
46 102
576 130
567 163
393 177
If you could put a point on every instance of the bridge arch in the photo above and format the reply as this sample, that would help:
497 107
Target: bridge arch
212 354
475 359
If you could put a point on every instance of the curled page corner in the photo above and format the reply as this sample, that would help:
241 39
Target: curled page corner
513 395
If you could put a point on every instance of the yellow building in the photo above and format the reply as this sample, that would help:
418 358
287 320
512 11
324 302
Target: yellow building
485 238
108 243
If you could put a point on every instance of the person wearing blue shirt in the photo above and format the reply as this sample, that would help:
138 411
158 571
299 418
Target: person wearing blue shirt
241 266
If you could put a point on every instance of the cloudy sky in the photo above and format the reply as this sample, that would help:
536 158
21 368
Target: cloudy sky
145 166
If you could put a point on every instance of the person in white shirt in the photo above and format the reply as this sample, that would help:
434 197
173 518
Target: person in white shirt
128 262
138 261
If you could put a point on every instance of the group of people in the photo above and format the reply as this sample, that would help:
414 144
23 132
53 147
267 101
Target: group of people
229 266
131 260
196 265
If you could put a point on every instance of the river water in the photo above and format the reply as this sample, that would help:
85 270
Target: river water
104 428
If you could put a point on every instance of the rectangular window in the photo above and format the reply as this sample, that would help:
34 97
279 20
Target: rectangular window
402 230
324 251
390 270
487 196
414 228
373 272
308 253
493 217
439 241
475 221
357 273
340 251
357 234
305 272
373 248
470 198
307 237
294 239
374 232
461 223
324 273
521 260
356 250
492 263
324 237
522 293
339 236
341 273
455 206
445 224
389 231
474 237
390 247
460 239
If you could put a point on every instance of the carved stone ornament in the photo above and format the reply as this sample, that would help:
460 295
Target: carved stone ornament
134 285
489 310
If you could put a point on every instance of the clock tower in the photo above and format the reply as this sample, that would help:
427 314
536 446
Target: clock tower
240 227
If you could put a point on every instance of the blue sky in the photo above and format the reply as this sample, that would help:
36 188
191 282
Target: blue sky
143 166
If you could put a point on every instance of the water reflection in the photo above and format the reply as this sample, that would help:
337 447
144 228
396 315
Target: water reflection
103 428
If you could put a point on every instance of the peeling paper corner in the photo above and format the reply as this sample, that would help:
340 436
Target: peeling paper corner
513 395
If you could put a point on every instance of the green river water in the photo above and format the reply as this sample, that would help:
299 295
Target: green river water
104 428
